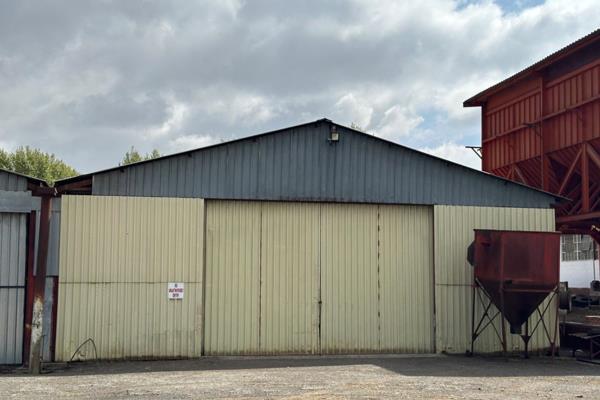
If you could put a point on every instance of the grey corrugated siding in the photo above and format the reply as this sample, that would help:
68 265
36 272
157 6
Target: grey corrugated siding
13 241
48 317
12 182
54 239
300 164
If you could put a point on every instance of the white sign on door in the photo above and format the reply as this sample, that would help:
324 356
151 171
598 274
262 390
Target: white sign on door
175 291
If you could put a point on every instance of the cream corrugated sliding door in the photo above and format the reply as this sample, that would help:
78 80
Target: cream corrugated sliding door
232 277
310 278
349 320
406 279
289 278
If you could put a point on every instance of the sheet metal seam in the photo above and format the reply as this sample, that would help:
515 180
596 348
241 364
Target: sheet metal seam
260 276
203 285
433 285
378 279
320 282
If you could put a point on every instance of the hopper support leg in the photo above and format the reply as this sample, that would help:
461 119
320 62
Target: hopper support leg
480 296
552 338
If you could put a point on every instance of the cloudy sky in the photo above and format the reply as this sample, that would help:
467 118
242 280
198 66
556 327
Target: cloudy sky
87 80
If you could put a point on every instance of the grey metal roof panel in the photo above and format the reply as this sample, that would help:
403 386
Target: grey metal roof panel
10 181
300 164
14 181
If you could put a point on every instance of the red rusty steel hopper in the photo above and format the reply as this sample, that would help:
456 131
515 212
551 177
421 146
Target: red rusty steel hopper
518 270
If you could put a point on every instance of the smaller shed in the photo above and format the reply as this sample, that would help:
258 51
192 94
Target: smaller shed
19 219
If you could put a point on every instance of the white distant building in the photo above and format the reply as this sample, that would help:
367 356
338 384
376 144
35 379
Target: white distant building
579 265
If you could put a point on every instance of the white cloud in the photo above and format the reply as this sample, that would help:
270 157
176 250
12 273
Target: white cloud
110 72
397 122
250 109
187 142
457 153
177 112
357 111
7 145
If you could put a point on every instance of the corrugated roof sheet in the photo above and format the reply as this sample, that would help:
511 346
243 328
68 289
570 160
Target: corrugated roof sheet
14 181
301 164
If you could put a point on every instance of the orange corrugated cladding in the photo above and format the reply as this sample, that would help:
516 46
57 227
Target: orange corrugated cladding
541 127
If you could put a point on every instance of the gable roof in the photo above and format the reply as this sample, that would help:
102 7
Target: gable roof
482 96
297 163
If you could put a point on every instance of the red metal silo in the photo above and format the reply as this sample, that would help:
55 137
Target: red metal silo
541 127
517 271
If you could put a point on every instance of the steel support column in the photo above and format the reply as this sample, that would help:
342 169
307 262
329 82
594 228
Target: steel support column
40 286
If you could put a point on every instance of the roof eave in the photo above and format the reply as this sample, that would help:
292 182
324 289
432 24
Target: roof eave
30 179
481 98
473 102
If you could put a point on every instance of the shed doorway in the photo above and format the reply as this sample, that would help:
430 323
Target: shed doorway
318 278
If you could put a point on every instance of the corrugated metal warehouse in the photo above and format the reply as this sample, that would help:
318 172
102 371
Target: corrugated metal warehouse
314 239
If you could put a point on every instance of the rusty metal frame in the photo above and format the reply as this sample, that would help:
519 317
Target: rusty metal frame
576 180
39 282
477 329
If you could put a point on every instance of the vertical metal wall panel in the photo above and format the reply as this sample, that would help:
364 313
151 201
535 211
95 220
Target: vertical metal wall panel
13 245
54 239
232 277
349 287
158 239
13 236
12 303
406 279
48 318
117 256
453 233
128 320
290 278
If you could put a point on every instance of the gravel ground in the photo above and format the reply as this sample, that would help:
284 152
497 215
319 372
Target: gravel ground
433 377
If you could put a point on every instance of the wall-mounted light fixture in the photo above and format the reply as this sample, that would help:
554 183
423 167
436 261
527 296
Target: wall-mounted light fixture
334 136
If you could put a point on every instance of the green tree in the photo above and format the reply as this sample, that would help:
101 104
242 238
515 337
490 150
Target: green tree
5 160
133 156
34 162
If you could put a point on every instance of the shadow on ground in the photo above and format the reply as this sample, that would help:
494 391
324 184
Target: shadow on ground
436 366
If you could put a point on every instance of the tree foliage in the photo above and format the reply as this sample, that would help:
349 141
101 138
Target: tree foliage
5 160
133 156
36 163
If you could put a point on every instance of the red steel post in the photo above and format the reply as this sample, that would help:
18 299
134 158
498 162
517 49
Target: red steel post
39 287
